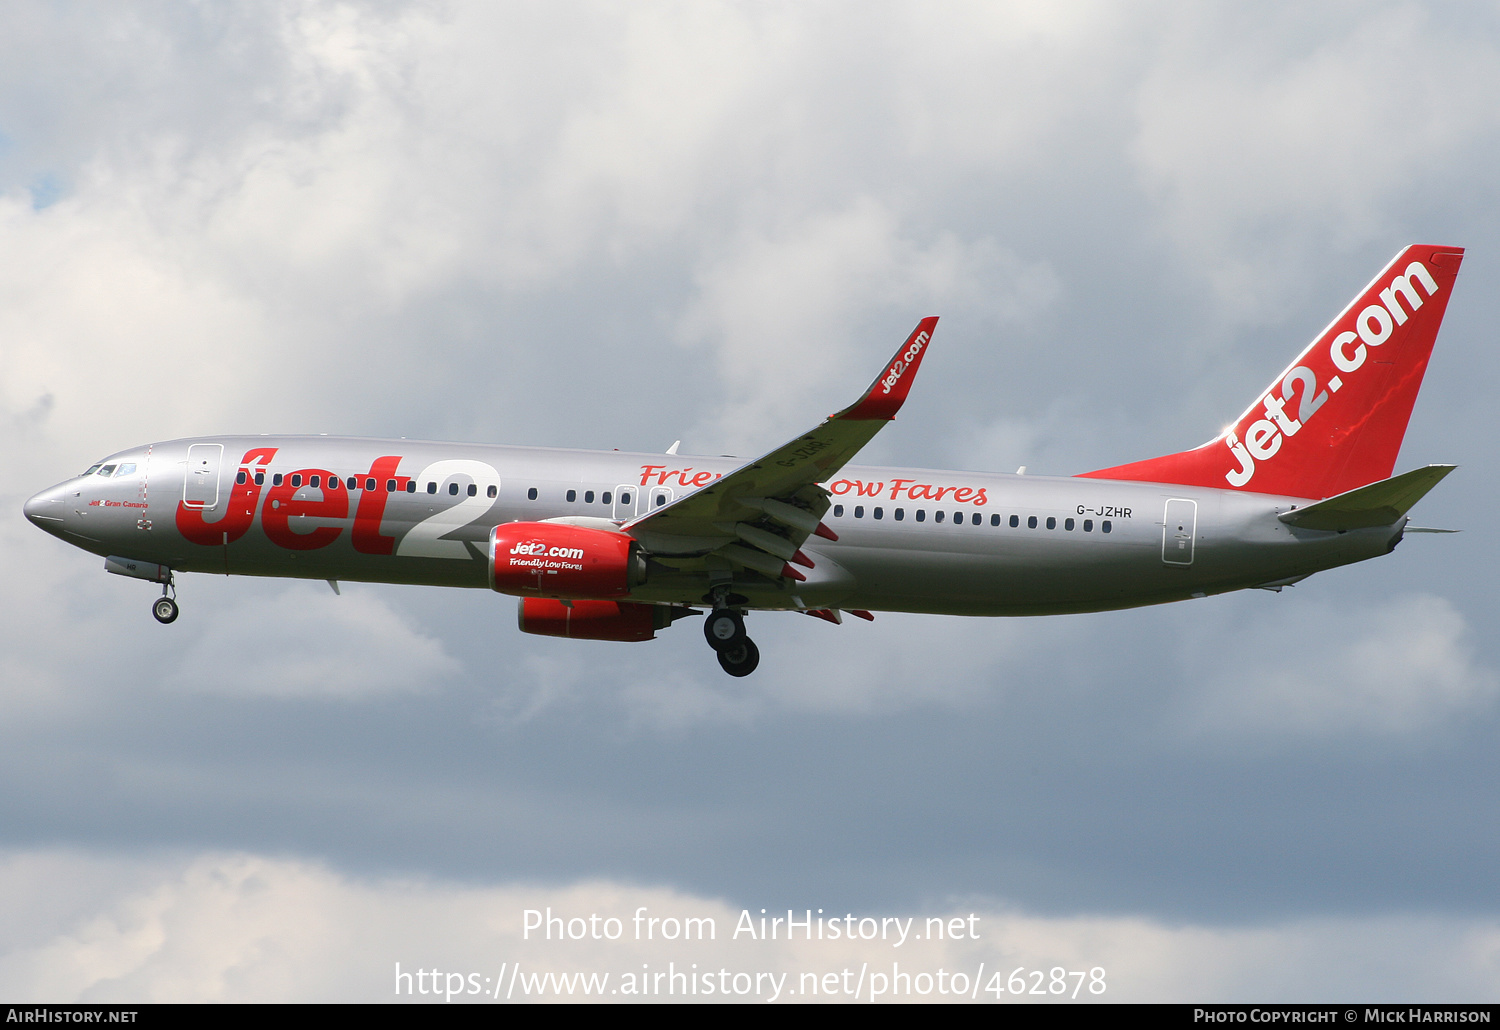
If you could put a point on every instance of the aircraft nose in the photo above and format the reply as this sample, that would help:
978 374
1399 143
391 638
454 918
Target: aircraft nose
45 510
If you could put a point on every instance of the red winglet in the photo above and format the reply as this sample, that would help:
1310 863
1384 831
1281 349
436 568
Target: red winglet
790 573
821 613
861 613
888 392
826 533
803 560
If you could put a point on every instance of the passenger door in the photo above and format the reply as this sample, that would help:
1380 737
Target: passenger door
200 485
1178 531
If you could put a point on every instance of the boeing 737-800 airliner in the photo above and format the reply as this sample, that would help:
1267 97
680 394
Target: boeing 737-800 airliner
605 545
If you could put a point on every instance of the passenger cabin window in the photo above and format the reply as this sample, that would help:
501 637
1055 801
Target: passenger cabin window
315 480
1105 526
432 488
572 496
838 511
879 513
606 496
353 483
370 483
588 497
390 485
660 500
296 479
994 520
1088 525
473 489
921 514
1051 522
1031 522
937 516
276 479
1015 521
260 479
859 511
411 486
624 496
900 514
452 489
1068 525
492 491
241 478
531 494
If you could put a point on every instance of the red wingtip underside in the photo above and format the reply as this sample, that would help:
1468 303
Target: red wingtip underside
888 392
1334 420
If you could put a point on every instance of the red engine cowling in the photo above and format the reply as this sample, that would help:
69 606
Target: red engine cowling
551 559
589 620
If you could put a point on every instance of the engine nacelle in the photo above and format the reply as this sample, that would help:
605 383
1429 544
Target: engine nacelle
589 620
552 559
596 620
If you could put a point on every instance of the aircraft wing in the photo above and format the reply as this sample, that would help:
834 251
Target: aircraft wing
758 516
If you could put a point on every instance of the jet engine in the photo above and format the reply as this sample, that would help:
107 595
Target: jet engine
550 559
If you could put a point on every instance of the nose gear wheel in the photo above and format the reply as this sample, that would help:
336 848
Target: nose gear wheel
164 608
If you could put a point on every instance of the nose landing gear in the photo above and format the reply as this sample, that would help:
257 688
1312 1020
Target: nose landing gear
164 608
725 631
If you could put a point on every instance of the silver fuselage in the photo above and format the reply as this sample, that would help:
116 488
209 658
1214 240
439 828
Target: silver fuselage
908 538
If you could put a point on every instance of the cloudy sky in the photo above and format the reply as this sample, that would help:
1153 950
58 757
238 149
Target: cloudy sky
610 225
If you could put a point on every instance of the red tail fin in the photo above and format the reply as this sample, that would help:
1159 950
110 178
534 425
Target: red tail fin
1334 420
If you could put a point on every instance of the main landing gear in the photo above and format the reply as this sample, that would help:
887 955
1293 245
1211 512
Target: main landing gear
725 630
164 608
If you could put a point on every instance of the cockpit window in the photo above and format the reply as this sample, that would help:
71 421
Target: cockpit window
93 469
127 469
107 470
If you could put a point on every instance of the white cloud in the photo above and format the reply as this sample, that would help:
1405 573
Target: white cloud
1261 132
251 928
782 306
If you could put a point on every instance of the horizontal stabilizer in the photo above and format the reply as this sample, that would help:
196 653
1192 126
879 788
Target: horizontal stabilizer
1379 504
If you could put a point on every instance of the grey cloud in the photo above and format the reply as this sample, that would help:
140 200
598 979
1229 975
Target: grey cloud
613 226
